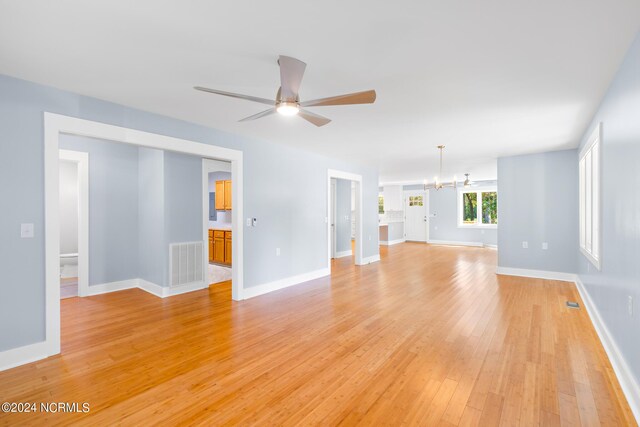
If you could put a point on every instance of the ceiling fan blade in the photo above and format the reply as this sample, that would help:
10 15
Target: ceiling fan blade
259 115
236 95
314 118
366 97
291 72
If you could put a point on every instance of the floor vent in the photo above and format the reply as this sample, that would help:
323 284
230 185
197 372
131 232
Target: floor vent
186 264
573 304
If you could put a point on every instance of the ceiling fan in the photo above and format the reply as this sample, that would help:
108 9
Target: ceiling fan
287 100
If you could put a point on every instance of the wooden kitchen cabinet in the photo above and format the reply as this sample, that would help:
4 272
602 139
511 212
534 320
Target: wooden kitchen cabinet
220 247
227 247
210 245
227 195
219 195
223 195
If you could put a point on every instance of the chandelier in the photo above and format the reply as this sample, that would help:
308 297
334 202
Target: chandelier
438 184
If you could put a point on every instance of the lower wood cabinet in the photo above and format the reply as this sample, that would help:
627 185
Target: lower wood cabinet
210 245
227 247
220 247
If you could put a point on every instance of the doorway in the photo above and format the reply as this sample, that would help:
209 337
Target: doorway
416 216
352 185
73 193
217 199
56 125
342 217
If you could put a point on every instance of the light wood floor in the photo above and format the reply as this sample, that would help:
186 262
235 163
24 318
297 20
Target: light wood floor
428 336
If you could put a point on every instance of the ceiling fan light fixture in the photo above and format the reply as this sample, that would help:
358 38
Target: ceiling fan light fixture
467 182
288 108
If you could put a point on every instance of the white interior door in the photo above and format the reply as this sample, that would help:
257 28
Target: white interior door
416 220
332 220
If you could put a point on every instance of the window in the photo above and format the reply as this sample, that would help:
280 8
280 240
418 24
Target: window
478 208
415 201
380 204
589 170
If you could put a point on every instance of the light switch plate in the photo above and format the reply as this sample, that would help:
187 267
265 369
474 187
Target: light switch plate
525 245
545 246
26 231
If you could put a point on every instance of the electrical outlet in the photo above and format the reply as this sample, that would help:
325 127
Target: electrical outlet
248 222
545 246
277 251
525 245
26 231
630 305
369 237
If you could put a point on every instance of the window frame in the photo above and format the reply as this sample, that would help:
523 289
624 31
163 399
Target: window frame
479 192
590 193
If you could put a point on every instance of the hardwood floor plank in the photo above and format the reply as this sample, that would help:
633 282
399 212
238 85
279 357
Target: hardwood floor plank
427 336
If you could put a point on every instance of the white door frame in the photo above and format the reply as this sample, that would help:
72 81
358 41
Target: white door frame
425 198
332 217
56 124
81 159
332 173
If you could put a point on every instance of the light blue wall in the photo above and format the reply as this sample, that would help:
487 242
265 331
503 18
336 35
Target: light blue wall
151 242
444 225
183 198
343 215
538 202
287 193
113 208
619 278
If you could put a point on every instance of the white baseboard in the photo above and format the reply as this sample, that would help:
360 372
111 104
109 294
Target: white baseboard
370 259
454 243
169 292
343 254
25 354
536 274
265 288
392 242
112 287
152 288
490 246
627 381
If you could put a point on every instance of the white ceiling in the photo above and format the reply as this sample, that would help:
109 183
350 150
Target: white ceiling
485 78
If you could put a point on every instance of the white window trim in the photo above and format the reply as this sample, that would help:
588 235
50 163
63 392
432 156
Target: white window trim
479 191
596 189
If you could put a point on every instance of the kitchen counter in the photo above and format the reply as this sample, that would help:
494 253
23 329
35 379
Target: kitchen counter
391 232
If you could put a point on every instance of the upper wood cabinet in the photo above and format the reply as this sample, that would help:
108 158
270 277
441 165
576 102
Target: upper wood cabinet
227 195
219 195
223 195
